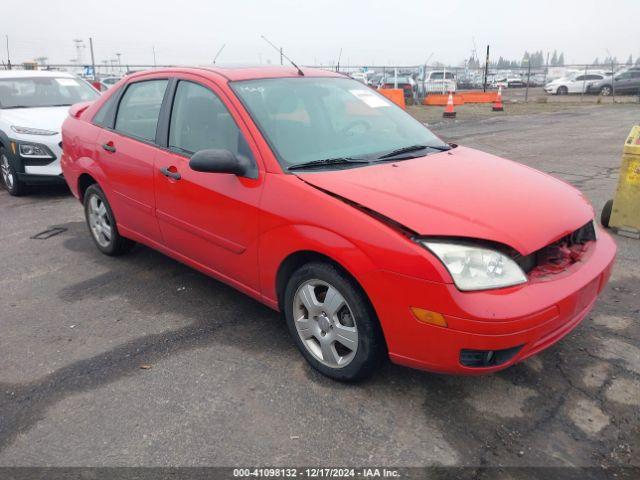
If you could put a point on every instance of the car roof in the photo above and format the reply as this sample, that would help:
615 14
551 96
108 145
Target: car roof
33 73
236 73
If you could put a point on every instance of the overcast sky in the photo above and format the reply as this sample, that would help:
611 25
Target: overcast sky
381 32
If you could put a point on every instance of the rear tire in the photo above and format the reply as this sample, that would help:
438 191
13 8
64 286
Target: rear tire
10 178
339 334
102 223
605 216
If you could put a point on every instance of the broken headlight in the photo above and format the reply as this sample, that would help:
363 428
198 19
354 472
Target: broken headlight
476 268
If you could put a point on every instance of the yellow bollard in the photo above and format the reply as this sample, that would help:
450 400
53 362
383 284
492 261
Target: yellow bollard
622 214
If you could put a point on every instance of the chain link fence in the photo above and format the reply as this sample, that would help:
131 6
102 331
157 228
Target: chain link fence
422 80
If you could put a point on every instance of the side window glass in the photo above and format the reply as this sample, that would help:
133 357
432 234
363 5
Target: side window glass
200 121
104 114
139 109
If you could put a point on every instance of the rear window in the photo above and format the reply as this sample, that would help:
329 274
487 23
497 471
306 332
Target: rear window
139 109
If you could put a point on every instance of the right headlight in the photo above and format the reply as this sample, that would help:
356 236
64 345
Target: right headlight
476 268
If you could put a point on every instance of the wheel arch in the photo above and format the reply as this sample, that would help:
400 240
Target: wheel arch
295 261
85 180
283 250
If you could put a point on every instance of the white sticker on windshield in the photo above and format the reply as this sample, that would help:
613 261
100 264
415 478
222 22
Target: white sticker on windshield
67 82
370 98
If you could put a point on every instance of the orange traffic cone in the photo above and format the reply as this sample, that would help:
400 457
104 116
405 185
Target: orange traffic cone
497 104
449 112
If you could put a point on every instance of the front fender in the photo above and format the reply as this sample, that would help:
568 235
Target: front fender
14 160
279 243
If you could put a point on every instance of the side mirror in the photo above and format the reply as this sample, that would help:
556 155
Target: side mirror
219 161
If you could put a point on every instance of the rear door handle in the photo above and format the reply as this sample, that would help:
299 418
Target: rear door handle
109 147
168 173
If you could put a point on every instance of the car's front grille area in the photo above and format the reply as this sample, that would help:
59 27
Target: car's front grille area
37 162
556 257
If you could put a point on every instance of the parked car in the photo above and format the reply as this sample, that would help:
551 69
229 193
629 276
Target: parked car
99 86
374 79
509 82
322 199
407 84
33 105
626 82
359 76
574 83
439 81
110 81
537 80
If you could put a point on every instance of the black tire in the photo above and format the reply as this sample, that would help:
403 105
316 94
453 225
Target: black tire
605 216
371 347
606 90
116 244
563 90
9 176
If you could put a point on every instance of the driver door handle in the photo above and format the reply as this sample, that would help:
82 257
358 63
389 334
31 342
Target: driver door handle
171 174
109 147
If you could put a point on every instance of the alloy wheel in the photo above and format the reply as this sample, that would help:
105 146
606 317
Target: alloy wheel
99 221
7 174
325 323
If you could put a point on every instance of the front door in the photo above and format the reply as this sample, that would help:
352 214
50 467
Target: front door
210 218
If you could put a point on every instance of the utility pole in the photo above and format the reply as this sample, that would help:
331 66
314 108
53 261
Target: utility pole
486 71
153 47
93 59
281 56
119 63
546 69
526 93
8 55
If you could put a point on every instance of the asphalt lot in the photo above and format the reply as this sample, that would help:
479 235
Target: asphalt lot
226 385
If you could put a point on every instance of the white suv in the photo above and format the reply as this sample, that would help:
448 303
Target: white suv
33 105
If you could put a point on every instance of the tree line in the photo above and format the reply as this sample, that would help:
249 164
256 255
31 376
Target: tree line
537 60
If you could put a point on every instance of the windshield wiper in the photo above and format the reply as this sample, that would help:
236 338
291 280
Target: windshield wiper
15 106
327 161
413 148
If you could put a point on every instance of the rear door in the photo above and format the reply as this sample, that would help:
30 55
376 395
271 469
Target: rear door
127 152
209 218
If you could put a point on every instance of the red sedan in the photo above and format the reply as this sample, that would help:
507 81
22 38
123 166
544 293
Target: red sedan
320 198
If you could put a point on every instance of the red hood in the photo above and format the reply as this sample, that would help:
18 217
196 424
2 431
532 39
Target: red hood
465 193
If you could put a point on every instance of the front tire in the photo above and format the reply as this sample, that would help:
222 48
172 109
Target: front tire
332 322
102 224
606 91
10 178
563 90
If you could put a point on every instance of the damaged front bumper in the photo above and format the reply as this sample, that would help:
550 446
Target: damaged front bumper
508 324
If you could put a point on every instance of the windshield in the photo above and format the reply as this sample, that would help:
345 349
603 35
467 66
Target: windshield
307 119
32 92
